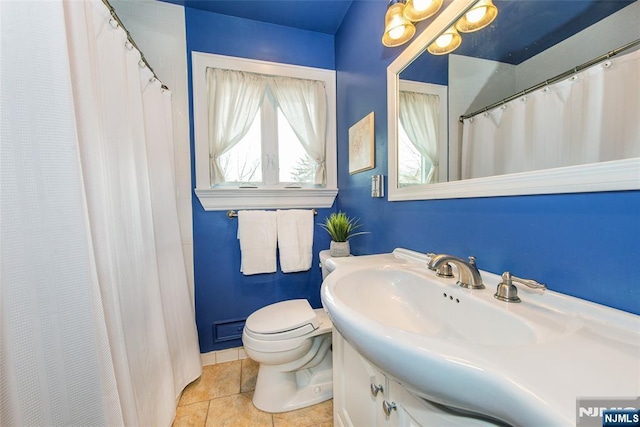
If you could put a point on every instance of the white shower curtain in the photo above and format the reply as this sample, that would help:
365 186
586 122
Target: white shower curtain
590 117
97 326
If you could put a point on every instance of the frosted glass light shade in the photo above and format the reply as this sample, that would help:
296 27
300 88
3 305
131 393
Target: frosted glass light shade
417 10
447 42
479 16
397 29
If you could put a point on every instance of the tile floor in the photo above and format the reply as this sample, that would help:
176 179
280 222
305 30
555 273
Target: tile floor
221 397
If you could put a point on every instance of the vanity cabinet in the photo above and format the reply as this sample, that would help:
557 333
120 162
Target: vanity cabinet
356 380
354 385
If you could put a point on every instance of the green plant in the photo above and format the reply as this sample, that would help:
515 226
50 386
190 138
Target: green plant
340 227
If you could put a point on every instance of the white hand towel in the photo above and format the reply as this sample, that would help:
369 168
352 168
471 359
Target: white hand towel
257 232
295 239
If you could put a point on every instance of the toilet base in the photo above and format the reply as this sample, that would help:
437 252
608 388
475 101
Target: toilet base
278 391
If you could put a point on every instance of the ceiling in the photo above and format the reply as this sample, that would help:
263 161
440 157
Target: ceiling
522 29
324 16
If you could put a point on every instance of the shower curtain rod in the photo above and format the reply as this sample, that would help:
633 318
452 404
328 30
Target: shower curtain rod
114 15
554 79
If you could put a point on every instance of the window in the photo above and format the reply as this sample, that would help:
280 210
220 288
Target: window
413 167
422 134
269 154
262 145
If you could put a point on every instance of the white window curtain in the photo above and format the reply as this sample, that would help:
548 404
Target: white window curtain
587 118
304 104
97 326
234 100
419 115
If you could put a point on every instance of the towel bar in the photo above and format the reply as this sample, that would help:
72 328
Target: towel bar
233 214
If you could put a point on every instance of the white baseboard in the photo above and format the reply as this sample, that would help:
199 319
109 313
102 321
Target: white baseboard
222 356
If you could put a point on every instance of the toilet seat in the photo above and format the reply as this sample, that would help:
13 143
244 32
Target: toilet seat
282 320
292 343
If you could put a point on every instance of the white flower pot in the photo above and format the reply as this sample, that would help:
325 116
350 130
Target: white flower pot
339 249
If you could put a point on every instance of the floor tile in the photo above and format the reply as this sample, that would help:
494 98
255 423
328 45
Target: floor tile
236 411
249 375
218 380
305 417
193 415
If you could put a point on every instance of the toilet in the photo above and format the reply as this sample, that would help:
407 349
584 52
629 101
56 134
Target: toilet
292 343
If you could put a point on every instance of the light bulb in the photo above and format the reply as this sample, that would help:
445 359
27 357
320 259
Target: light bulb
397 27
444 40
446 43
397 32
475 15
421 5
418 10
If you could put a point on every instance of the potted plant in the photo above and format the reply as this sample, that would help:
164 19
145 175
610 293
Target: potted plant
341 228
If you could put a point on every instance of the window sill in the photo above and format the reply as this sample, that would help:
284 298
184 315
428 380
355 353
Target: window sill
256 198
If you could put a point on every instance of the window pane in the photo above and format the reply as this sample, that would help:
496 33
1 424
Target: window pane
294 163
243 162
413 168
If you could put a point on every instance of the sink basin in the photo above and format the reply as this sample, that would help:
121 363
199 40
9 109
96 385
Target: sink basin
524 363
441 311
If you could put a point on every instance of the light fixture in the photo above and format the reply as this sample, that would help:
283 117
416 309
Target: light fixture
417 10
397 28
479 16
447 42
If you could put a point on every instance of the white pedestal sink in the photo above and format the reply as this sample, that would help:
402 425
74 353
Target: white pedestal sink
524 363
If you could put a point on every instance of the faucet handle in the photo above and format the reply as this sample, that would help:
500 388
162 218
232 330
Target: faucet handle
507 276
508 292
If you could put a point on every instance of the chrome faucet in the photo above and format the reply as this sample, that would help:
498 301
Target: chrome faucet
468 274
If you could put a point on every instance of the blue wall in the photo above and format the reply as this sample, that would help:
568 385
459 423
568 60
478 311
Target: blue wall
222 293
586 245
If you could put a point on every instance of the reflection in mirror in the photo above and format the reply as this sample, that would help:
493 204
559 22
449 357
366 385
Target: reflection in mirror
581 118
585 118
422 122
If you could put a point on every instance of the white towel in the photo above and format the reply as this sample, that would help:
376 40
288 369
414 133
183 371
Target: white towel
258 239
295 239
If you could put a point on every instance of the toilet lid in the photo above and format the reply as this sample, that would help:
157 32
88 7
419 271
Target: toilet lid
281 317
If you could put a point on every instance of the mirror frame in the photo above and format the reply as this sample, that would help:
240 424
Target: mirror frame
618 175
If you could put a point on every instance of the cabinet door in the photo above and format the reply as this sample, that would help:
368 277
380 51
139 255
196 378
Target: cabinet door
413 411
353 400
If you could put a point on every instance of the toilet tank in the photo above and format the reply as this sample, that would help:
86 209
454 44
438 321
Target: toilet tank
324 256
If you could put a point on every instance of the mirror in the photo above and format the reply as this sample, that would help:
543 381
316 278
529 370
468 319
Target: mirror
486 70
